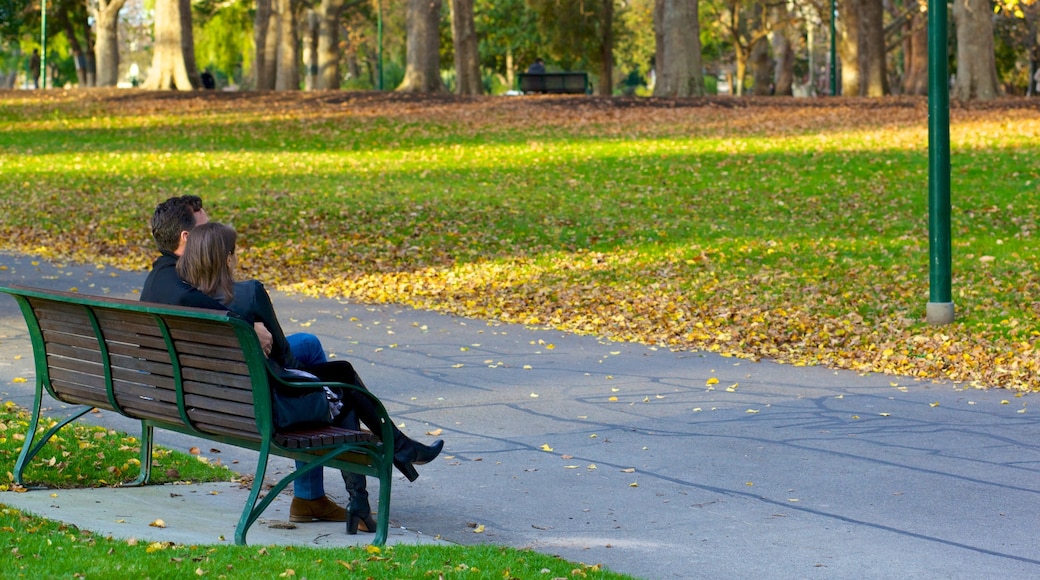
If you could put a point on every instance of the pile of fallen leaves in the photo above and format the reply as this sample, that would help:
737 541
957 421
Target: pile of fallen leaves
658 221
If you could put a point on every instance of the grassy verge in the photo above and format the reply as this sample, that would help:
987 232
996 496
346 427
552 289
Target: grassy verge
89 456
37 548
794 230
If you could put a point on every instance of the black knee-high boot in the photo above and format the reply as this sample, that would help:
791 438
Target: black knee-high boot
407 452
359 512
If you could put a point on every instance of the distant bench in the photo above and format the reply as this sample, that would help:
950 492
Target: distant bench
189 370
555 82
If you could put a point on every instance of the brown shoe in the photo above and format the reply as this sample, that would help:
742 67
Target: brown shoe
314 510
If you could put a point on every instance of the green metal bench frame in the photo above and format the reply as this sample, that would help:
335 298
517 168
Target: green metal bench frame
193 371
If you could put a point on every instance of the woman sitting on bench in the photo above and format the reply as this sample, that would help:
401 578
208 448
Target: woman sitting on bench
208 265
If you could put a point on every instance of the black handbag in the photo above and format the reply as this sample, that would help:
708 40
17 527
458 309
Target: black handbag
296 412
298 407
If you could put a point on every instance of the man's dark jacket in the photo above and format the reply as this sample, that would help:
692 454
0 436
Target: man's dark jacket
164 286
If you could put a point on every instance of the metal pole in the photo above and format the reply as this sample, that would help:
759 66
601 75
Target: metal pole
940 304
834 48
43 42
379 35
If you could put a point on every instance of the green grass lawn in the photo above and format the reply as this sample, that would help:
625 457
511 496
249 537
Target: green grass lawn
794 230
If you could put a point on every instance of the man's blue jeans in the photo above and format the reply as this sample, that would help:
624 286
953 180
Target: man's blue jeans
307 349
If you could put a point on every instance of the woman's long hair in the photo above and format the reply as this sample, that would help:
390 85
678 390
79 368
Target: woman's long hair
207 260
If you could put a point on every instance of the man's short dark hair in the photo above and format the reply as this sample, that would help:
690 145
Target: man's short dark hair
173 216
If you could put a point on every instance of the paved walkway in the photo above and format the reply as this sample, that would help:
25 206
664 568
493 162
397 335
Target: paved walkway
624 455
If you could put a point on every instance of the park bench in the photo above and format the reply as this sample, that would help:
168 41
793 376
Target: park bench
193 371
555 82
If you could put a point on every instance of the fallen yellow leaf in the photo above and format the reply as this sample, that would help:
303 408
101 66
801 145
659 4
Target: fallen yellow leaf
546 447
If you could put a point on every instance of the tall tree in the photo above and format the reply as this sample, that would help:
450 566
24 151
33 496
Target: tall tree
873 80
173 56
849 46
422 60
329 12
976 61
287 71
915 78
106 49
71 18
467 57
677 49
606 49
783 51
310 50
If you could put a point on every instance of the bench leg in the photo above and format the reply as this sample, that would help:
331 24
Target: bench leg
30 449
147 437
251 511
383 517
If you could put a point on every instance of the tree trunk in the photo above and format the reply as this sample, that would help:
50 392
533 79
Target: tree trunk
74 48
783 74
188 44
510 69
678 49
976 59
740 63
287 75
606 75
269 72
106 49
873 81
328 43
848 46
915 79
761 67
422 72
310 50
261 22
467 59
169 68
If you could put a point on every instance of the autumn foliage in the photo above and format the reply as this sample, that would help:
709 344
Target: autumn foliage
787 229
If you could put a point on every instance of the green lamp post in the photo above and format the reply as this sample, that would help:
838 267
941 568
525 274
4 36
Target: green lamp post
940 300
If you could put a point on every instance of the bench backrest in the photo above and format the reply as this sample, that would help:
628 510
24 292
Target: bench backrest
571 82
196 370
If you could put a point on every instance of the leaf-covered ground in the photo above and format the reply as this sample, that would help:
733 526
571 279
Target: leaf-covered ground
794 230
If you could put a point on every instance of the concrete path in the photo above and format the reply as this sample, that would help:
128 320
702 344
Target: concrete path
630 456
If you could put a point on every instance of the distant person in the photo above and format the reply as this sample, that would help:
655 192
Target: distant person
1036 79
537 67
34 68
208 82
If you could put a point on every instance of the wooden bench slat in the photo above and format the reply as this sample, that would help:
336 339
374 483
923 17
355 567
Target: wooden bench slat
75 393
88 342
206 417
208 390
